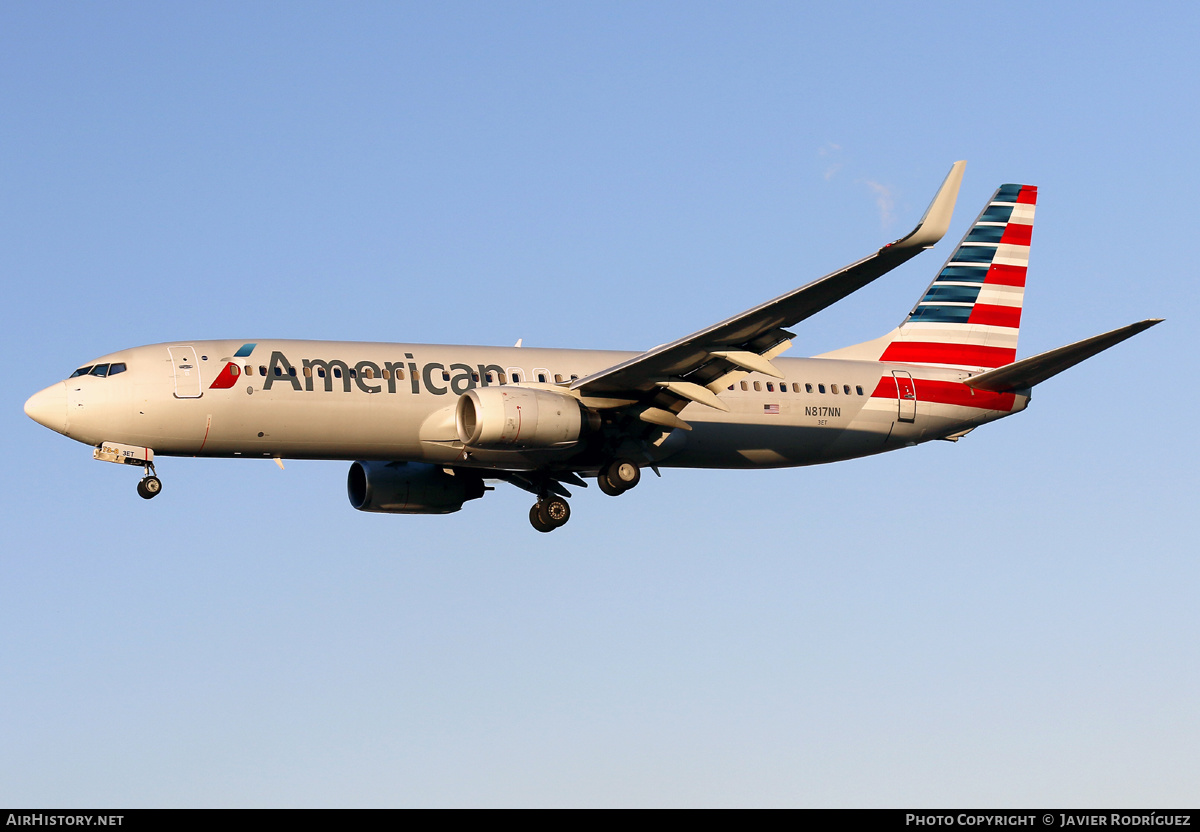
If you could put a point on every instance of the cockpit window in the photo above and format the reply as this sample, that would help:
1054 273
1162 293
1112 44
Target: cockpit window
99 370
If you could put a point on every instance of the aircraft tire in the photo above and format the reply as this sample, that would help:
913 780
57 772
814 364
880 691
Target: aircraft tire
149 487
623 474
535 519
555 511
607 487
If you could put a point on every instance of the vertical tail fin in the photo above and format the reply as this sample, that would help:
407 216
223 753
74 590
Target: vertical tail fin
970 316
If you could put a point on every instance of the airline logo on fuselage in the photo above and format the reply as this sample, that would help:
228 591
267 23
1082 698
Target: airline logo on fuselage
330 375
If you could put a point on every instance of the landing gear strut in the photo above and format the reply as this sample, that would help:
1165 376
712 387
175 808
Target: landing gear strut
548 513
150 485
618 476
132 455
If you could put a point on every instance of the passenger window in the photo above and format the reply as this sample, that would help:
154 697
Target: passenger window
745 386
249 370
795 387
475 377
574 377
758 387
292 372
99 371
770 387
445 375
503 378
368 372
846 389
491 377
321 372
337 372
542 378
558 378
516 378
308 372
353 373
262 369
807 388
858 390
116 368
82 371
731 387
821 387
399 374
833 389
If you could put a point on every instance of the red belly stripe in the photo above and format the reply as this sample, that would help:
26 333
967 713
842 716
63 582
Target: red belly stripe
948 392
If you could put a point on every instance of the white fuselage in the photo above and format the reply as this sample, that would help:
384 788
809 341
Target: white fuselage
368 401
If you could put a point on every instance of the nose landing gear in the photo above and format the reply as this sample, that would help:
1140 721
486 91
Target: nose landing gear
150 485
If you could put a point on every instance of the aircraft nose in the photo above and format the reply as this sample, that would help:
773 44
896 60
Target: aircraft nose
49 407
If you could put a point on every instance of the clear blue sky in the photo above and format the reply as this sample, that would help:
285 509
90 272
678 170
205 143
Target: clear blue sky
1009 621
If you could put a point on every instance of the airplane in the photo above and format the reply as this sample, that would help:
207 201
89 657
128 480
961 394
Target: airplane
425 426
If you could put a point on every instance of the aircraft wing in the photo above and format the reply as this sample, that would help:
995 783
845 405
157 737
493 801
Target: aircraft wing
1030 371
696 366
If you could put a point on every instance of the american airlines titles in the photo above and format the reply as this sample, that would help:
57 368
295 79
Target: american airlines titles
326 373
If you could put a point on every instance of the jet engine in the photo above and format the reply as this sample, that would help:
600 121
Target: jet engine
410 488
520 417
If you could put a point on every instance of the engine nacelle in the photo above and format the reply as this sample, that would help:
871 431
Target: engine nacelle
410 488
519 417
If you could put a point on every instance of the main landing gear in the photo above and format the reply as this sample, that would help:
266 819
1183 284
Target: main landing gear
618 476
548 513
552 511
150 485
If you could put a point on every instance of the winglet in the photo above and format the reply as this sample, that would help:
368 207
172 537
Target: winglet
936 219
763 329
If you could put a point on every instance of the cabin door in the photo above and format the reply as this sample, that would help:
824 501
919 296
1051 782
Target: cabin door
906 396
187 372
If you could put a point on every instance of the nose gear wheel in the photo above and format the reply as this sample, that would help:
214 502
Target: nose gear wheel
149 487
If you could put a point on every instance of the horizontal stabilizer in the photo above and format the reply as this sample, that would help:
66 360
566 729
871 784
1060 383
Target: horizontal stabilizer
1030 371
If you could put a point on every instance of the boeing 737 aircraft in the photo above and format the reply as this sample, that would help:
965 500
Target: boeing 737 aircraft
426 425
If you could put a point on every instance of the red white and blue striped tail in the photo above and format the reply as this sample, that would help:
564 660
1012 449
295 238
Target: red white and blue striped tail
970 315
